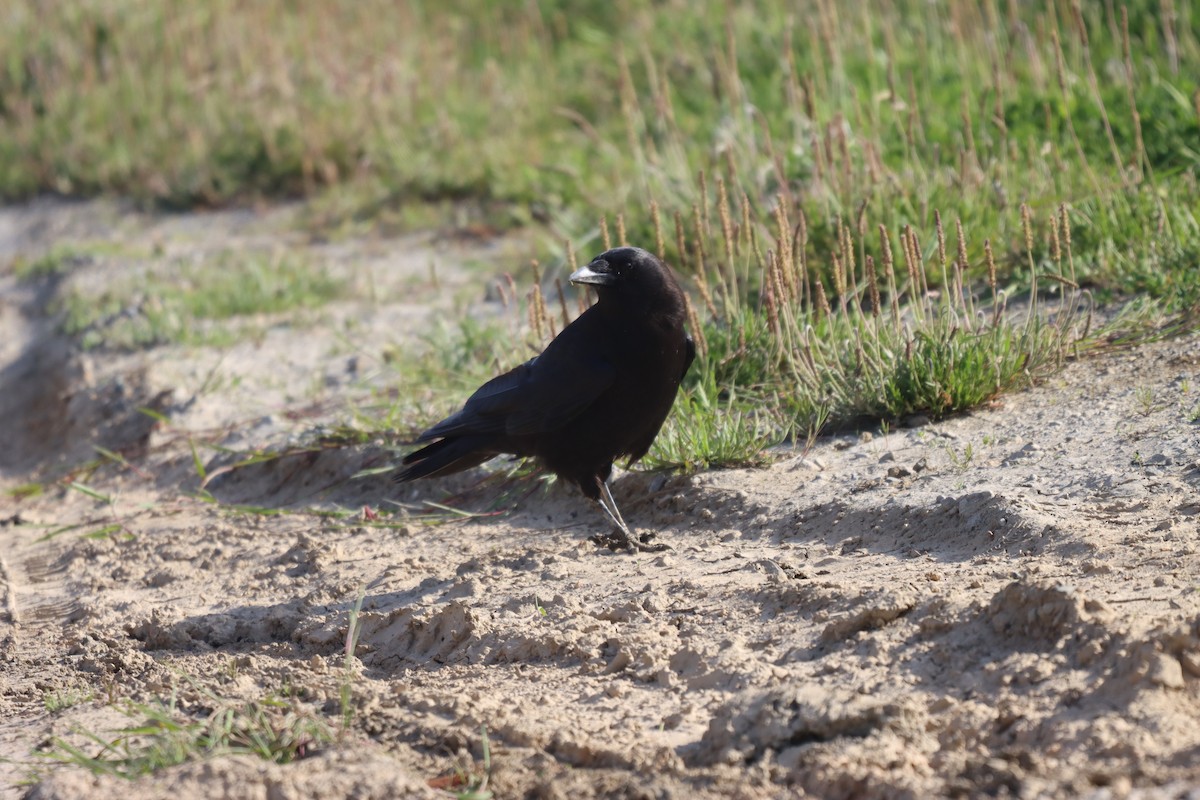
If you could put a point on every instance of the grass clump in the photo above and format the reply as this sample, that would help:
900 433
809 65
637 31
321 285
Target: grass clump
58 260
705 431
470 781
878 344
26 491
211 302
162 736
63 699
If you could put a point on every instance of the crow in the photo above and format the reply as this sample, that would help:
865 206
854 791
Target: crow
598 392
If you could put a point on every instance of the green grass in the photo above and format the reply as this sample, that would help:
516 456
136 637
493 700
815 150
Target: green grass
59 260
798 358
472 783
346 687
789 158
25 491
63 699
213 302
564 110
704 431
161 735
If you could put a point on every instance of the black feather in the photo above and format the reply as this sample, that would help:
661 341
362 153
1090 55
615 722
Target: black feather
600 391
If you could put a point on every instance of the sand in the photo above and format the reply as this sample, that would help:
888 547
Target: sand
1005 603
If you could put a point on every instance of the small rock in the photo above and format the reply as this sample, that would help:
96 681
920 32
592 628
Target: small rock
1166 672
672 721
773 571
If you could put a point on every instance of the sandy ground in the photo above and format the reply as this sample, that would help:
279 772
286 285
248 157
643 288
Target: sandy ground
1002 604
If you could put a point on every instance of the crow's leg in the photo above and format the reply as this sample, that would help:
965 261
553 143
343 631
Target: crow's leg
624 537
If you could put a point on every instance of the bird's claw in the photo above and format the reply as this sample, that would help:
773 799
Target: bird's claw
620 539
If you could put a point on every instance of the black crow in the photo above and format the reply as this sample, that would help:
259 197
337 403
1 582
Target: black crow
598 392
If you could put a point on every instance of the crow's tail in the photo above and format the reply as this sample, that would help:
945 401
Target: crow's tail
443 458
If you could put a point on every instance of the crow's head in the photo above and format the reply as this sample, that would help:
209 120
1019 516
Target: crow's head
631 276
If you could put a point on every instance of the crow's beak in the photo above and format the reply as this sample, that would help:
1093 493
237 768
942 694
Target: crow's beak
597 277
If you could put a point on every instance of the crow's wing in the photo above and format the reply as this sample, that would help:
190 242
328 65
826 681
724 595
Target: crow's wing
555 395
689 355
487 409
539 396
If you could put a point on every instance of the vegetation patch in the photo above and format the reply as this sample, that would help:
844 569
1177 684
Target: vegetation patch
161 735
884 209
213 301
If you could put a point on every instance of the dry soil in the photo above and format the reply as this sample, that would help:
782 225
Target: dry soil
1001 604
